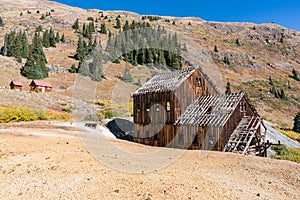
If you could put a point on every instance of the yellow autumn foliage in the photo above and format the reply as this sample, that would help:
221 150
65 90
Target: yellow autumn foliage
18 114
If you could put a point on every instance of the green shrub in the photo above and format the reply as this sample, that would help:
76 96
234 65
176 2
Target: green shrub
285 153
108 114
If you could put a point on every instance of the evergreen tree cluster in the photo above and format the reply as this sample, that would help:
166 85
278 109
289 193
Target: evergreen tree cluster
88 30
151 18
50 38
93 69
279 94
1 22
226 60
136 46
84 49
15 45
35 66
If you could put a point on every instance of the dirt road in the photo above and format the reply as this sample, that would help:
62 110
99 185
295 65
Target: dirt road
54 162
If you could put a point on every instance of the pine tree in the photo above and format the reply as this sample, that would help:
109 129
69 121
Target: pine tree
295 75
63 39
18 49
127 77
97 67
76 24
46 39
282 95
103 29
296 127
29 70
237 42
80 51
1 22
228 88
57 37
52 38
118 24
43 17
73 69
216 49
271 81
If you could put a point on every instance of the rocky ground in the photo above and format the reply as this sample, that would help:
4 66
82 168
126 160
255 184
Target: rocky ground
55 161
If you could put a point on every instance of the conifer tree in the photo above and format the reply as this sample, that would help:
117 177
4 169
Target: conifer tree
103 29
63 39
1 22
97 67
237 42
43 17
76 24
296 126
118 23
46 39
295 75
216 49
127 77
57 37
52 38
18 50
228 88
80 51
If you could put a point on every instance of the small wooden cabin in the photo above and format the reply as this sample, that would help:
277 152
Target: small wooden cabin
16 85
162 100
40 86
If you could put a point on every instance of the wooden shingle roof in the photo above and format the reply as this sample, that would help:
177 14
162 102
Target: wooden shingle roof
166 81
211 110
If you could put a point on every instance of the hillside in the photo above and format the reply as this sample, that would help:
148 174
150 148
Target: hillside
42 161
255 52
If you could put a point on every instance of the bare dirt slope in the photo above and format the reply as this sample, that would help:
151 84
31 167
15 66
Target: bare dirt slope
51 162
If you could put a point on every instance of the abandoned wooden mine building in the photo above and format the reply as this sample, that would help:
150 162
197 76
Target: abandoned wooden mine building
181 109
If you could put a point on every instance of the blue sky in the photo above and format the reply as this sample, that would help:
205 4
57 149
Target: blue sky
286 13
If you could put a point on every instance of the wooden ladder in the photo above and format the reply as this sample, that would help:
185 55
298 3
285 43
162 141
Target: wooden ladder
243 135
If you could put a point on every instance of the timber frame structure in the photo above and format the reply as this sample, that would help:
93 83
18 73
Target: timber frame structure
182 109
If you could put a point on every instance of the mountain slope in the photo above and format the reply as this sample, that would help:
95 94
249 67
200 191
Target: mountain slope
255 52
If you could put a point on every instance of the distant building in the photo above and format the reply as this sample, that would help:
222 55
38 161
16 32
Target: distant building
16 85
40 86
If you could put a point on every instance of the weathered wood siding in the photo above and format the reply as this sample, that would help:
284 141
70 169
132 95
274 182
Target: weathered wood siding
152 116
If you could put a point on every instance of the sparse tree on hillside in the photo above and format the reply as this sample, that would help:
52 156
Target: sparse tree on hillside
63 39
103 29
296 127
118 24
1 22
295 75
76 25
228 88
237 42
127 77
216 49
57 37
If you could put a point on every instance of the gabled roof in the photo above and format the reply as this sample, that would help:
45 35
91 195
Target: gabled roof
211 110
41 83
17 83
166 81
